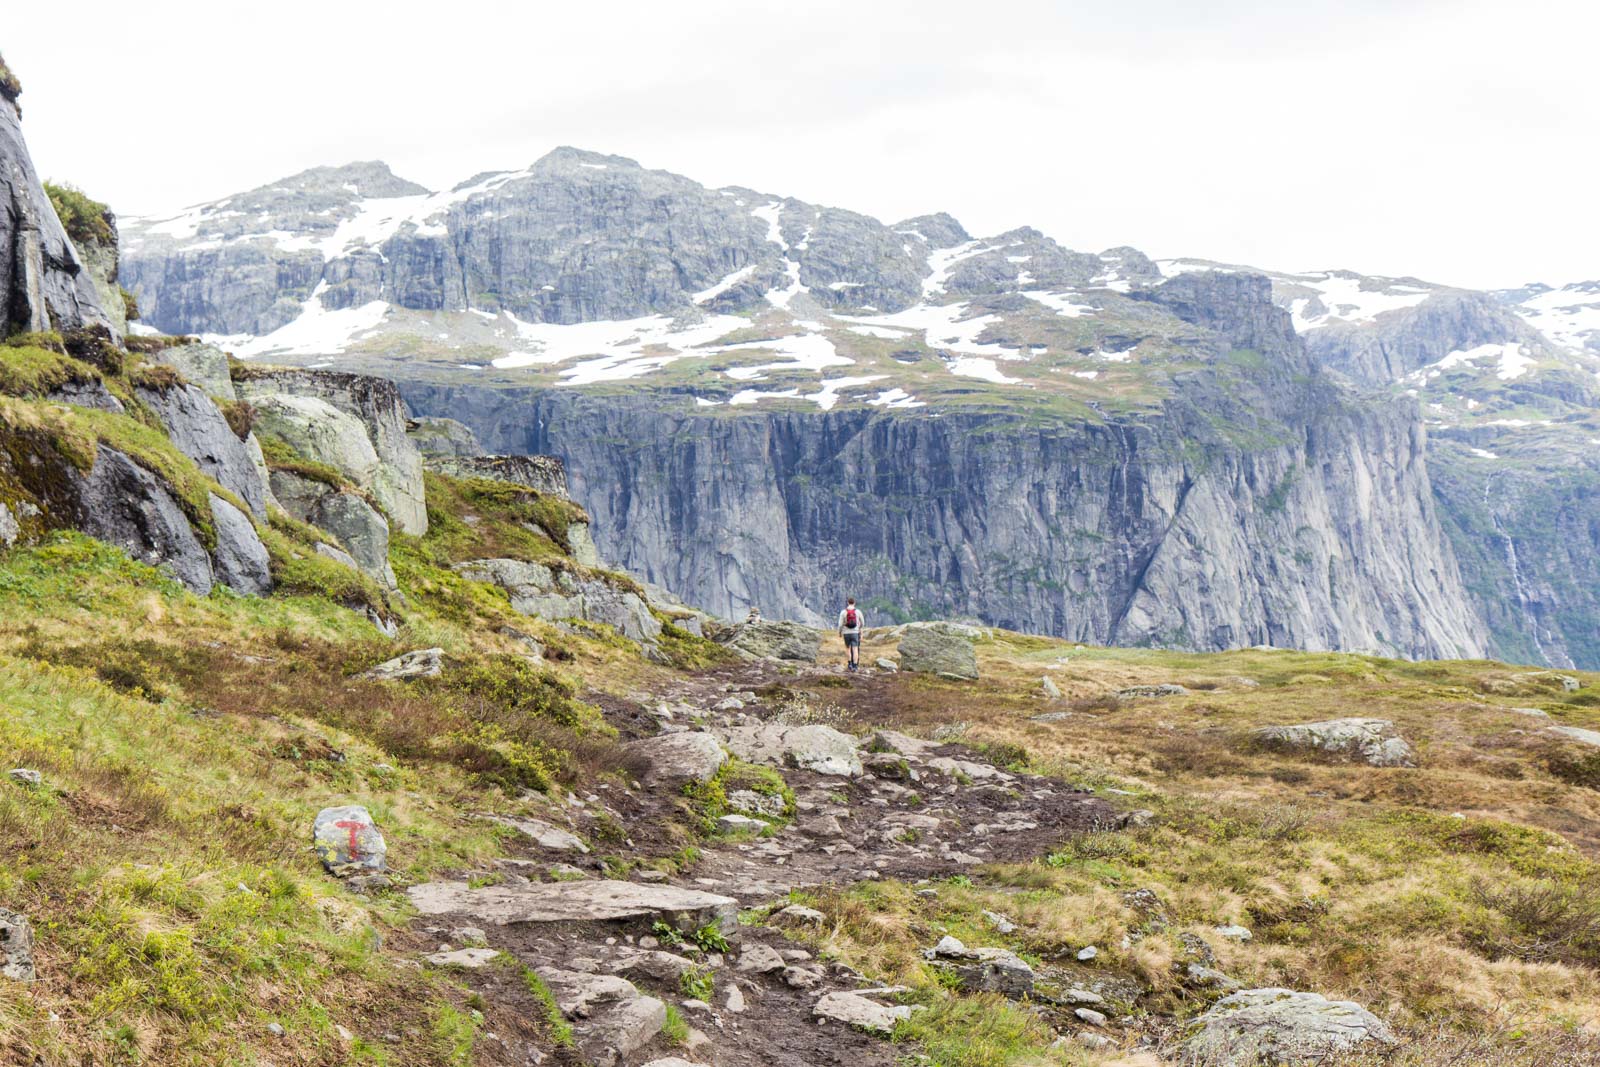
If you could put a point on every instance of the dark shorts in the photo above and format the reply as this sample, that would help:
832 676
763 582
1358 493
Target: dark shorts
852 640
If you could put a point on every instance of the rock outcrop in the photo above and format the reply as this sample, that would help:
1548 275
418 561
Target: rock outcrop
1370 741
556 594
296 403
43 282
930 651
198 429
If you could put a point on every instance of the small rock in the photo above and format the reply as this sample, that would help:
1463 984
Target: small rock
999 922
730 704
1082 996
1137 692
469 935
1090 1016
884 664
543 834
275 1029
1234 933
1050 689
802 914
25 777
802 977
760 959
468 958
1093 1041
735 1000
1087 954
16 947
1051 716
347 840
735 824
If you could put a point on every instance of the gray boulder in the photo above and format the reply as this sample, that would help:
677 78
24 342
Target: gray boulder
201 364
929 651
241 561
1281 1026
984 970
1371 741
775 640
853 1009
675 759
550 594
320 432
198 429
423 663
359 527
1576 733
375 405
25 776
348 841
16 939
125 505
611 1018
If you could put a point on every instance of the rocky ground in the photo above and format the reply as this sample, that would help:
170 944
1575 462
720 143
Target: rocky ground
718 944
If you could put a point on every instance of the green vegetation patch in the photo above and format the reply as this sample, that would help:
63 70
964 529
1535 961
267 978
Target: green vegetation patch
87 221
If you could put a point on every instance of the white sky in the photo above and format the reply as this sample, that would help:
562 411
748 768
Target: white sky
1450 139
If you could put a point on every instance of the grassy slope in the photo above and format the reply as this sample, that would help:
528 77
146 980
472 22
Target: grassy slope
1457 899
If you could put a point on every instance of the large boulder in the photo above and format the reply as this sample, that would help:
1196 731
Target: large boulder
358 525
197 427
123 504
1280 1026
240 561
375 404
43 283
554 594
1371 741
320 432
774 640
931 651
676 759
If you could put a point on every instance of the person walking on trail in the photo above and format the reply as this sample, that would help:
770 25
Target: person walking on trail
851 623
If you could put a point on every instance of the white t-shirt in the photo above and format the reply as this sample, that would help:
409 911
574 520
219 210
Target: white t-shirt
861 622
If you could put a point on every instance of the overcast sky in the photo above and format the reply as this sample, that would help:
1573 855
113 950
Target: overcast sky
1454 140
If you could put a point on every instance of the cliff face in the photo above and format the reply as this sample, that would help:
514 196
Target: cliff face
45 284
1110 534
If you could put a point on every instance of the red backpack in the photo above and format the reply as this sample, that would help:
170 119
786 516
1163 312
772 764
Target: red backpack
850 618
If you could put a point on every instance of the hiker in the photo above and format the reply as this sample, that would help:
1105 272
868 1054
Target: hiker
851 623
753 617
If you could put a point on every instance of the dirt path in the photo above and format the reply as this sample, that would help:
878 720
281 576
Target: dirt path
907 809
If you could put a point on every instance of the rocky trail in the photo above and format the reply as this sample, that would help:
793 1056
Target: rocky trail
718 940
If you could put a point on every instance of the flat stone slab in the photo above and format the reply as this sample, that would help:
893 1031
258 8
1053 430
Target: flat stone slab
470 958
1577 733
543 834
1282 1026
600 900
